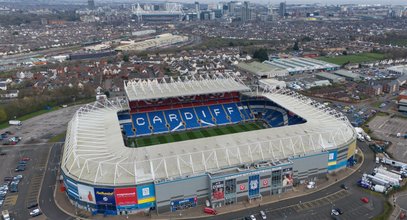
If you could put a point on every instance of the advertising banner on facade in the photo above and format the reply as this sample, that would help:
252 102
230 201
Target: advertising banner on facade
218 190
146 196
105 196
254 185
86 194
287 178
125 196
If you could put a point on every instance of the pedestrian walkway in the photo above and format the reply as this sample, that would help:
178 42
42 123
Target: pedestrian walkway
64 204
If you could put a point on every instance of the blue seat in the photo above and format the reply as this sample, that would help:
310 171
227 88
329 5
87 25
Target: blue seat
128 130
242 108
174 120
219 114
204 116
233 112
190 118
123 116
157 120
141 124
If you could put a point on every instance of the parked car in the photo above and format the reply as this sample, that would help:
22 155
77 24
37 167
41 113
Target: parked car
33 205
339 211
364 199
18 177
263 214
25 159
344 186
35 212
334 212
8 178
252 217
19 168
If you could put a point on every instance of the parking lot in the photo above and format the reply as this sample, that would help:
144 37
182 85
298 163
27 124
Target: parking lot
387 128
29 186
51 124
348 201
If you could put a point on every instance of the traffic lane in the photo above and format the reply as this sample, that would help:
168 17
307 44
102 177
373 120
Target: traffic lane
402 201
47 202
367 166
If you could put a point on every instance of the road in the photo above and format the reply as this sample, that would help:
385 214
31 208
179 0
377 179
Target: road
367 166
46 201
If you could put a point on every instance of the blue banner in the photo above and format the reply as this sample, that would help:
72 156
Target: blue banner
105 196
254 185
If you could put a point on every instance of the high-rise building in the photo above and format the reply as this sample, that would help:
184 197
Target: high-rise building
197 7
283 9
91 4
246 12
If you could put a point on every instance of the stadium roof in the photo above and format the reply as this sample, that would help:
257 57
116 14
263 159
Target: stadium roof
95 153
142 89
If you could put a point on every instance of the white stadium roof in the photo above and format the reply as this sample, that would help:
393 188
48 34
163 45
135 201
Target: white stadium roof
95 153
145 89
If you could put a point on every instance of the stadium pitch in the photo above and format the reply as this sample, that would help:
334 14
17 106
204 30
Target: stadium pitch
194 134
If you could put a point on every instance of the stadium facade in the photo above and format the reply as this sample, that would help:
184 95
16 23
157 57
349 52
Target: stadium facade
105 172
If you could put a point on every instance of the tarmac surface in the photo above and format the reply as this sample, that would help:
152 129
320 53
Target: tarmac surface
41 128
386 128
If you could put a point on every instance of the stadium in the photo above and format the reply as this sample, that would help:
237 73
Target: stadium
173 144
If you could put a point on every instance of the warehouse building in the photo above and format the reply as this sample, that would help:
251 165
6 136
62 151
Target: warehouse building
302 65
348 75
262 70
331 77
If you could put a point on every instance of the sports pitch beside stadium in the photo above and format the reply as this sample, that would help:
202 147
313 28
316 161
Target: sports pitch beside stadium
194 134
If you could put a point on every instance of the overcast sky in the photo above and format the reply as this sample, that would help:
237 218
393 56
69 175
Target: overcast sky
387 2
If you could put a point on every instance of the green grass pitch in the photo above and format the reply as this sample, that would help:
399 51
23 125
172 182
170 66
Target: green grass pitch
193 134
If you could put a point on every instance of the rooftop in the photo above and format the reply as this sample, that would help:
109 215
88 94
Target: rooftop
95 153
260 69
348 74
145 89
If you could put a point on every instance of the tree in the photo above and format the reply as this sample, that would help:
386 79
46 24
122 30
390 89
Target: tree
3 115
296 47
126 58
261 55
107 93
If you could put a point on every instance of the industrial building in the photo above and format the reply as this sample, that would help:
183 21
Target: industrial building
348 75
331 77
162 40
401 69
262 70
102 173
302 65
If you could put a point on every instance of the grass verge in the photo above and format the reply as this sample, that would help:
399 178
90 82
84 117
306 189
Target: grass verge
356 58
57 138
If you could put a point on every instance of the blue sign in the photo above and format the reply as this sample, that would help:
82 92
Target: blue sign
105 196
182 204
144 192
254 185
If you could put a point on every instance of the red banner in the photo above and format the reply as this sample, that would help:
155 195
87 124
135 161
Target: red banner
125 196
